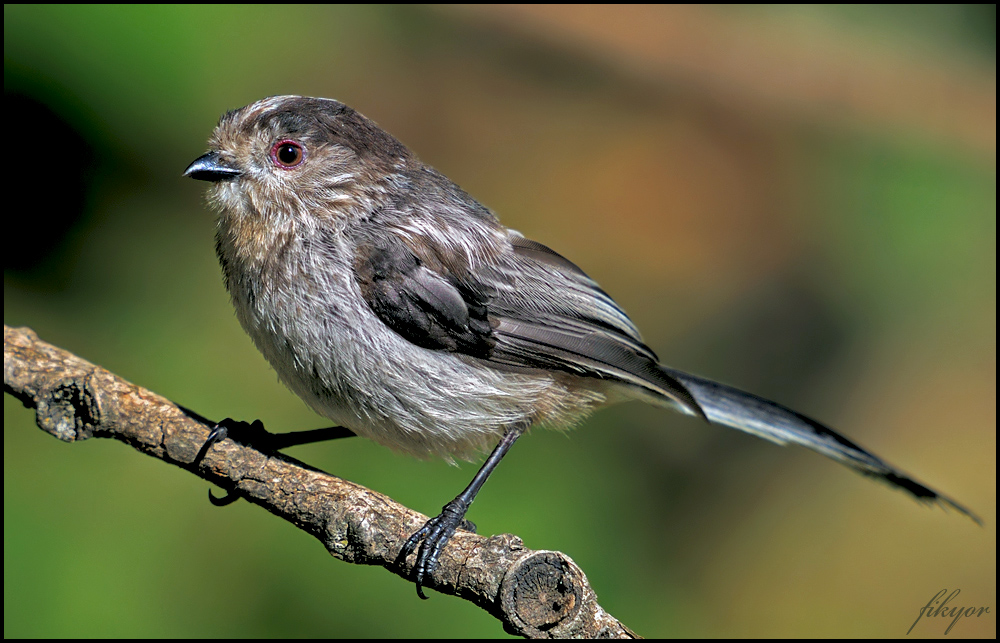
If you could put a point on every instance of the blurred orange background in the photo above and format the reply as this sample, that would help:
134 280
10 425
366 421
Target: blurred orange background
799 201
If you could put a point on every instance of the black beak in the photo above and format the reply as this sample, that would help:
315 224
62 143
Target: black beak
210 167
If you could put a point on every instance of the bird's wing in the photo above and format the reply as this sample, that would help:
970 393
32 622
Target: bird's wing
530 309
433 309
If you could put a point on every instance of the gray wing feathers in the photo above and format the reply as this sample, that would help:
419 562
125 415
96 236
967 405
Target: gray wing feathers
574 326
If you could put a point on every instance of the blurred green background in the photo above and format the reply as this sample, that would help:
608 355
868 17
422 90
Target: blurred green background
798 201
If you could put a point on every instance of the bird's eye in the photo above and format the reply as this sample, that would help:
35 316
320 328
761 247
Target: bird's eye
287 154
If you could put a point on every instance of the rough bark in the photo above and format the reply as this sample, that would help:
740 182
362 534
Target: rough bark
533 593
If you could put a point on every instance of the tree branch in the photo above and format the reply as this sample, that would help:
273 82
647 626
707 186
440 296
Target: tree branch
534 593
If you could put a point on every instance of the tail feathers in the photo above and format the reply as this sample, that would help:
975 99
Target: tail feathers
734 408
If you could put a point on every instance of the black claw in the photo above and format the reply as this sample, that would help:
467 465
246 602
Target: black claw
231 496
433 537
217 434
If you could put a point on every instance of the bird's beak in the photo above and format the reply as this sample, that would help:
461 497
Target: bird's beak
211 167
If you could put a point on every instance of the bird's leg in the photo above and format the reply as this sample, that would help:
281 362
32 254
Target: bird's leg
254 434
437 531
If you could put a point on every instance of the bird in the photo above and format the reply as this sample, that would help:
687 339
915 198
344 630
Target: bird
395 304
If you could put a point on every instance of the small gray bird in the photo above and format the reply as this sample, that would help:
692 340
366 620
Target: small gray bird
396 305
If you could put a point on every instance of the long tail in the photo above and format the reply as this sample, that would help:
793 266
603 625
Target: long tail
734 408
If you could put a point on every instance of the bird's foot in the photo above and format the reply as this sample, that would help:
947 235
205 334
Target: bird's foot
243 432
248 433
432 538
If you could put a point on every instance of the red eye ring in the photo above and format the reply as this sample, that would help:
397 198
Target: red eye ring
287 154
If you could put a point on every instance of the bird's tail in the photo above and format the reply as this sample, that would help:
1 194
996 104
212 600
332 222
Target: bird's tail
740 410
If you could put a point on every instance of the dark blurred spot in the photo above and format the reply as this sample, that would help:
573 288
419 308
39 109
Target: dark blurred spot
47 193
981 24
773 340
